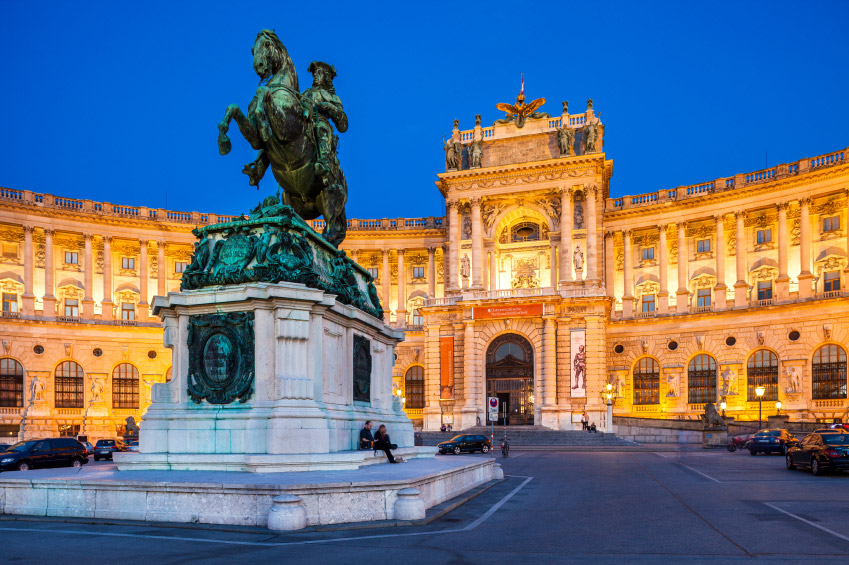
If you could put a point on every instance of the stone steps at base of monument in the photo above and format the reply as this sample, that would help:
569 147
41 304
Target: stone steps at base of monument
536 437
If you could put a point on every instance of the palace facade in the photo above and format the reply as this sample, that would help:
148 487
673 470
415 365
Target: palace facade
537 288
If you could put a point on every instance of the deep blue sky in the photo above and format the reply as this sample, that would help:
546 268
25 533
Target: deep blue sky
119 101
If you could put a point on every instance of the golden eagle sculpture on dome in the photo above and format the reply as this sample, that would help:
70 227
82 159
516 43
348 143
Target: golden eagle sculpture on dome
520 111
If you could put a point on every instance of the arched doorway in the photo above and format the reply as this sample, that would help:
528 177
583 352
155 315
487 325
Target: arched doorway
510 377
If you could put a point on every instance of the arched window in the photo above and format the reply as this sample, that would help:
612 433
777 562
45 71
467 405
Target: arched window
829 372
646 381
11 383
414 387
701 379
510 348
125 386
762 370
525 231
69 385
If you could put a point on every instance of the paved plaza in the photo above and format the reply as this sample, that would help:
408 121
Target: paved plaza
552 507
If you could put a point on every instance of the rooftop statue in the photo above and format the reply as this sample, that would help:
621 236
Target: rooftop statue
520 111
293 135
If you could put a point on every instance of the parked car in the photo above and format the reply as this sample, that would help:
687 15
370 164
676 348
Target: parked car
821 452
104 448
839 427
771 441
56 452
468 443
5 446
830 431
133 447
89 448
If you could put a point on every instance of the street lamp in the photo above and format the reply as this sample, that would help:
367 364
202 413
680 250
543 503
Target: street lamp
759 391
609 397
778 408
723 405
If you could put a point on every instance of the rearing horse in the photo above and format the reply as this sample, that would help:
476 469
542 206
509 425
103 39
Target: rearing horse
281 125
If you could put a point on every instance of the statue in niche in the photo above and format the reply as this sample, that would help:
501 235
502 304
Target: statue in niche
729 382
794 380
578 258
97 390
672 385
452 155
467 227
578 219
566 141
36 388
591 132
465 267
475 154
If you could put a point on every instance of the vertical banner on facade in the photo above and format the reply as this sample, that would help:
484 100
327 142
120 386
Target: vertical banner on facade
579 363
446 368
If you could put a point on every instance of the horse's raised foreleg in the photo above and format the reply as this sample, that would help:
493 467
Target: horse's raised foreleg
248 129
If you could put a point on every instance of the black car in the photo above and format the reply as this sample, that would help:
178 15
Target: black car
469 443
104 448
822 452
771 441
57 452
5 446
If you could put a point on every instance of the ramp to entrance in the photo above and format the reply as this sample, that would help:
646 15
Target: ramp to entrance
531 436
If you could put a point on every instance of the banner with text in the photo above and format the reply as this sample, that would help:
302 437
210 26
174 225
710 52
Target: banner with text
579 363
446 368
511 311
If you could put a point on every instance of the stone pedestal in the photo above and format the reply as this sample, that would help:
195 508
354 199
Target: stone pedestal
715 437
294 359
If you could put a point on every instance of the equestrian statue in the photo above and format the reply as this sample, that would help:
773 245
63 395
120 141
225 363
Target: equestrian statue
291 131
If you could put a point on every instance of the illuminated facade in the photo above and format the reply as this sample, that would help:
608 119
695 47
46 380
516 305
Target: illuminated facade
536 288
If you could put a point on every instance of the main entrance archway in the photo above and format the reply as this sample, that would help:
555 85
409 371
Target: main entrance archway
510 377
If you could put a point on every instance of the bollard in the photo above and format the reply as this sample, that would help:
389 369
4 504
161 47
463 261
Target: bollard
409 505
497 472
287 513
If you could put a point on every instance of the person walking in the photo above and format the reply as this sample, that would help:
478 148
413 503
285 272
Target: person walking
382 443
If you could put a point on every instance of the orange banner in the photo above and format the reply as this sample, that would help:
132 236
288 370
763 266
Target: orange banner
511 311
446 368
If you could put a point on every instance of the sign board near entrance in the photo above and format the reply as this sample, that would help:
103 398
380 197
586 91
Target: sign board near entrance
511 311
446 368
493 403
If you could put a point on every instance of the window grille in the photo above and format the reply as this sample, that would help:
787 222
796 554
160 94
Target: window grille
762 370
701 379
647 381
69 385
11 383
829 372
414 387
125 386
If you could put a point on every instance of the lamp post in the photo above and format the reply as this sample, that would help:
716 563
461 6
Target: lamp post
723 405
609 397
778 408
759 391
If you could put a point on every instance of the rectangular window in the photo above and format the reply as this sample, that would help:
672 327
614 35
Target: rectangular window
418 272
703 297
765 290
764 236
418 319
831 282
10 302
128 263
10 250
72 258
703 246
72 307
180 267
831 223
648 253
648 303
128 311
373 272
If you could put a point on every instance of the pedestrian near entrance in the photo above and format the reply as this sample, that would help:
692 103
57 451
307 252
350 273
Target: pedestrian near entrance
592 428
585 422
366 439
383 443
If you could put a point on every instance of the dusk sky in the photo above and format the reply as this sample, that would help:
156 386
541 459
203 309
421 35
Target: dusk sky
119 101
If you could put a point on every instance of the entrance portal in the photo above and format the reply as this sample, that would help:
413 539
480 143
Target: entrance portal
510 377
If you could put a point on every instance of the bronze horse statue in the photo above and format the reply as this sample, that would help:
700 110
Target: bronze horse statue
292 134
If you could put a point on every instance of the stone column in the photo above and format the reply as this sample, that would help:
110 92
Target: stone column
553 254
49 308
720 289
782 283
431 272
565 235
401 311
609 264
805 276
477 245
386 278
28 297
592 245
453 246
144 305
88 299
628 295
470 384
446 268
663 293
493 271
162 269
682 295
549 373
741 287
106 306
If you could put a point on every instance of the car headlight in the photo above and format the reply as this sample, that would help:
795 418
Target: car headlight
7 460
